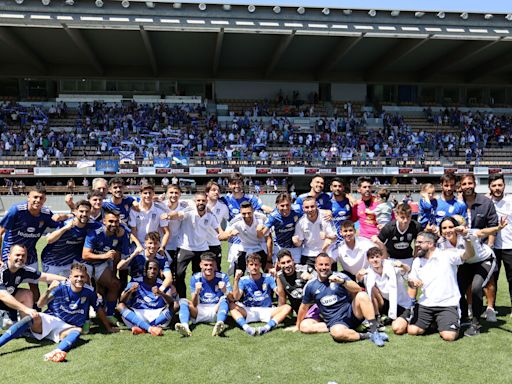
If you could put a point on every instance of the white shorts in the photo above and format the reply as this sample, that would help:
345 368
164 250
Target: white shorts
232 256
148 315
296 253
61 270
96 272
206 313
52 328
257 314
34 266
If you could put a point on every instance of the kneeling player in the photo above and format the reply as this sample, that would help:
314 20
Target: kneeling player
256 290
385 283
68 306
342 304
143 306
291 279
209 289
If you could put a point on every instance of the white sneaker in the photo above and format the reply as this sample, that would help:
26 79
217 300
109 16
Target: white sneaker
218 328
183 329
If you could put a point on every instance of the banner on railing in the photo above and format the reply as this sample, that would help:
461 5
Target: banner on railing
391 171
147 171
436 170
164 162
296 170
197 171
344 171
248 170
85 163
107 165
368 170
181 160
481 170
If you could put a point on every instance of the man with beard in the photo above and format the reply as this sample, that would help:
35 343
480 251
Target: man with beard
342 304
448 204
481 214
341 206
435 271
248 226
195 223
118 201
283 221
220 210
68 307
322 199
66 243
291 279
313 232
364 209
503 241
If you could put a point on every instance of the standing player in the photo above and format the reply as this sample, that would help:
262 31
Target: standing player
248 226
291 279
435 271
283 221
147 218
118 201
351 254
313 232
256 290
64 245
145 305
221 212
101 253
448 204
322 199
396 237
481 214
364 209
24 224
195 222
503 241
342 303
209 303
341 206
68 306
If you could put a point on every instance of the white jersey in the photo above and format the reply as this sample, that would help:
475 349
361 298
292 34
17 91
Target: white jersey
194 229
353 260
247 233
221 212
504 209
147 221
309 232
482 251
175 225
439 277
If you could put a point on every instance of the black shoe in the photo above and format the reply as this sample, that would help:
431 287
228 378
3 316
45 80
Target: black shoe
473 330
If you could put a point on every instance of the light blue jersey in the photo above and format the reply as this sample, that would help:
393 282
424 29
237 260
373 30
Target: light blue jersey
143 297
72 307
257 293
123 208
210 291
69 246
323 201
341 212
448 208
23 228
99 242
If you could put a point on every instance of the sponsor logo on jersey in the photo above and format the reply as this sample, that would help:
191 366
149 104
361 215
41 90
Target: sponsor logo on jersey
329 300
402 245
31 229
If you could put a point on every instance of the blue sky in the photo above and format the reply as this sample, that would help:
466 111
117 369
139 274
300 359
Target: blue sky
476 6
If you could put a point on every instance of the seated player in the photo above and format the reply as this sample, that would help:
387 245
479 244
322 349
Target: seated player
12 273
143 306
291 279
209 289
137 261
256 290
385 283
68 306
342 303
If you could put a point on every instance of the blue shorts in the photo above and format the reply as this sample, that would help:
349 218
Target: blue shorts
345 317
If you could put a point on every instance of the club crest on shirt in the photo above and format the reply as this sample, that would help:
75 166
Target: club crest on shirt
73 306
264 286
83 300
296 218
17 280
41 223
126 207
114 242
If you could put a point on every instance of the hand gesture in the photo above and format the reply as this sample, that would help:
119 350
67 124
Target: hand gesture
414 283
111 254
336 279
199 286
292 329
233 233
222 286
134 287
238 274
322 235
32 313
361 274
156 291
503 222
397 264
53 285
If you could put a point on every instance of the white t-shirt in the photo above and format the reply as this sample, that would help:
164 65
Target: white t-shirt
175 225
194 229
353 260
309 233
147 221
439 277
221 212
247 233
482 251
504 209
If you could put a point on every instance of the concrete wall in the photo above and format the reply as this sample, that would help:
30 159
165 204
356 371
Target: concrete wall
348 92
261 89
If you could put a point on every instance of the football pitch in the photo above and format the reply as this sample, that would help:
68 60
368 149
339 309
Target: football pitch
277 357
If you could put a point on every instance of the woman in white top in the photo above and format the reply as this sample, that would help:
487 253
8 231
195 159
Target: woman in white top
476 271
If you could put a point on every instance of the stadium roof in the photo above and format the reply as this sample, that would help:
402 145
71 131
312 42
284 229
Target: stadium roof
170 40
